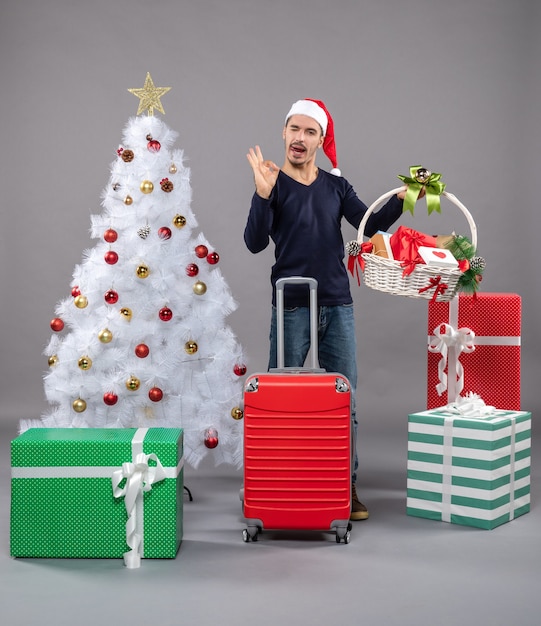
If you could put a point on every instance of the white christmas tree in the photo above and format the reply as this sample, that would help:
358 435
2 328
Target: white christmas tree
142 341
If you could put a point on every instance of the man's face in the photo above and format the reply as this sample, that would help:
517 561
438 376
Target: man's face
302 137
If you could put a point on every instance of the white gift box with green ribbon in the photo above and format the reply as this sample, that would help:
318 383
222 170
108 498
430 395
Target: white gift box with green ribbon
97 493
473 471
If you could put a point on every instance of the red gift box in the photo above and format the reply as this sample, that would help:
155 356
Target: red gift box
474 346
405 243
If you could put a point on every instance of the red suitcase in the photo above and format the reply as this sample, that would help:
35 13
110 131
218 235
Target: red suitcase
297 442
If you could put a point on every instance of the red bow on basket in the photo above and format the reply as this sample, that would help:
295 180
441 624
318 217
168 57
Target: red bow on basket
436 284
356 261
405 244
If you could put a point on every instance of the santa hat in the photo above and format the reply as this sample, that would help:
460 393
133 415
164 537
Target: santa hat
318 111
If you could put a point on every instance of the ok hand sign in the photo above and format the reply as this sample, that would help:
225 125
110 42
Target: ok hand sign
265 172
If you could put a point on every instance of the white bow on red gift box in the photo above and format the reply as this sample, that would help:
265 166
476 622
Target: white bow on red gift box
450 342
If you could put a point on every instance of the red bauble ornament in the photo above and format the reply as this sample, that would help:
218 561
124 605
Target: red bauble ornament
164 232
213 258
110 235
110 398
57 324
154 145
111 257
165 314
201 251
111 296
142 350
75 291
239 369
192 269
211 438
155 394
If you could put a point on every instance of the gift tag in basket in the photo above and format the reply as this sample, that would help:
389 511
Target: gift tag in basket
438 257
419 266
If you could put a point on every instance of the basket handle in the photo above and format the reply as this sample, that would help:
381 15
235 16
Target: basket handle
452 198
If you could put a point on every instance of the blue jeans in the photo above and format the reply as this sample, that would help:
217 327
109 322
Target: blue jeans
336 350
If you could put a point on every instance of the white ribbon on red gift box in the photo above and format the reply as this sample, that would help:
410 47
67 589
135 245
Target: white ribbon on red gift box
450 342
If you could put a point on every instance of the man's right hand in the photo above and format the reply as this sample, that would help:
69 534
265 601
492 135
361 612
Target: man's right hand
265 172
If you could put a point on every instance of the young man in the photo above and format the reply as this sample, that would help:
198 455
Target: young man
300 207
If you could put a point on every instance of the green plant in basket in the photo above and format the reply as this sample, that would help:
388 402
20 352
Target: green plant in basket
463 250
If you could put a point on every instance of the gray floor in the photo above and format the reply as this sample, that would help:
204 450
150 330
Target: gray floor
396 570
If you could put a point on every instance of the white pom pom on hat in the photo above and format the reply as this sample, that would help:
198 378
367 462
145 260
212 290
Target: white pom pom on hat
317 110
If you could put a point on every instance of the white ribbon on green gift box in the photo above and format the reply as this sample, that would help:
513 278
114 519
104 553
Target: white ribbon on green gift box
450 342
470 406
139 477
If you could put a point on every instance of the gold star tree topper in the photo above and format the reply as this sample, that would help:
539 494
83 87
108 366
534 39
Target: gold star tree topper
149 96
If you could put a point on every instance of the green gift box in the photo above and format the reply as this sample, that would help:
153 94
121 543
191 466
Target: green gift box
97 493
473 471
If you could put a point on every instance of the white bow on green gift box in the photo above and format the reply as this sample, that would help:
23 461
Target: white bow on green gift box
139 477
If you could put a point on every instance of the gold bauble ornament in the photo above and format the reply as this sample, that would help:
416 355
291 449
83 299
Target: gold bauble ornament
179 221
84 363
190 347
172 168
142 271
133 383
199 288
147 186
126 313
79 405
81 302
105 336
52 360
237 413
128 200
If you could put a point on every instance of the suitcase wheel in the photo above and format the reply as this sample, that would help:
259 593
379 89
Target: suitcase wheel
250 533
346 537
344 533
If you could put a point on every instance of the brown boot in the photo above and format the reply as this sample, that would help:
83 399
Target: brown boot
358 510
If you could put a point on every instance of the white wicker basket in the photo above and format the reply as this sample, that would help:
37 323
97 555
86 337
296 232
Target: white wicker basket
388 275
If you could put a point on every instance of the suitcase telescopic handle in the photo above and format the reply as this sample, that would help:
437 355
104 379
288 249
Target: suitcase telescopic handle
280 284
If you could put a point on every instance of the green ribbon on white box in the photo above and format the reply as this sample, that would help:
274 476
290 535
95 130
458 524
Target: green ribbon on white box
139 476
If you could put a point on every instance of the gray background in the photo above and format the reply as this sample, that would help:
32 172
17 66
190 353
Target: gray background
452 85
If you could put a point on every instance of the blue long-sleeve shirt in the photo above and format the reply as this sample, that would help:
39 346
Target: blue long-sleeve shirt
304 222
